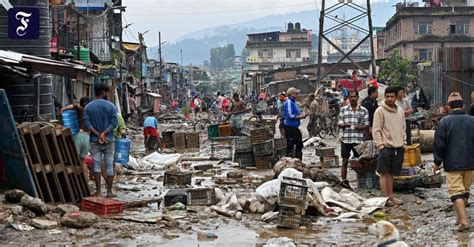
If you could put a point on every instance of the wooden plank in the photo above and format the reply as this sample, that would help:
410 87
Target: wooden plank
76 161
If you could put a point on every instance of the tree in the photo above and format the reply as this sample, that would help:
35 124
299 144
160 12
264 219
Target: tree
397 70
222 57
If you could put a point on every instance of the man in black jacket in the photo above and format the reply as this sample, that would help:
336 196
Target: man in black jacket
454 149
370 103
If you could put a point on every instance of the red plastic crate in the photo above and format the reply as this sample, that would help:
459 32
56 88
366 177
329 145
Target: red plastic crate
101 205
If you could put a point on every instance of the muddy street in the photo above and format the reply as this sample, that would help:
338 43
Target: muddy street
425 218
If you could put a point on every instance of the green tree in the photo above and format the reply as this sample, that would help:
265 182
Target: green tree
222 57
398 70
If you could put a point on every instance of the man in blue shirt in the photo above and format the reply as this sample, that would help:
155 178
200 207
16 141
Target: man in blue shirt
101 120
294 140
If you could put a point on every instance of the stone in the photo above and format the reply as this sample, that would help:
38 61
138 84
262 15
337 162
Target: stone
34 204
235 174
238 215
66 208
14 196
44 224
79 219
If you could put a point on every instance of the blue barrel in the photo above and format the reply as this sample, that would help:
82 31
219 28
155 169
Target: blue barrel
70 121
122 149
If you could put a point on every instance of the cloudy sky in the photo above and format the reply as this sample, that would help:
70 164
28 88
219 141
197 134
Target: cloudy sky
175 18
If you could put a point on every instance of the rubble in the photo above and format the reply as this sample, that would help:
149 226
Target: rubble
44 224
34 204
66 208
14 196
79 219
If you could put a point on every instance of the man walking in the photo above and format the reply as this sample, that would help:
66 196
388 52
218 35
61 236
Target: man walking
101 120
353 120
454 149
389 136
294 140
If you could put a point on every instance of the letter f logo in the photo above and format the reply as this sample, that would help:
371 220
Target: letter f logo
23 23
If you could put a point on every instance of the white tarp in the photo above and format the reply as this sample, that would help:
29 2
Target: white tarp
351 201
157 161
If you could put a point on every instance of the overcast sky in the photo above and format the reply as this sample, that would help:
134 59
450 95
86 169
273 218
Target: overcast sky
175 18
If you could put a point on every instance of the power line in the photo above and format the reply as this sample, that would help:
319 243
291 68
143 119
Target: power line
223 12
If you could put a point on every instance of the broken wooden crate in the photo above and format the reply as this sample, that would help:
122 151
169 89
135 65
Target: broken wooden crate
174 196
293 192
177 179
201 196
291 217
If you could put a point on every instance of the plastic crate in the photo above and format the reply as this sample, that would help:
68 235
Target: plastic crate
168 139
263 149
290 217
293 192
329 161
279 144
325 151
244 159
243 145
248 127
260 135
174 196
177 179
179 140
263 162
278 154
201 196
192 140
367 180
412 155
102 205
270 124
224 130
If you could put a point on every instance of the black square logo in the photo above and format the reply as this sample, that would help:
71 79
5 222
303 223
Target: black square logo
23 23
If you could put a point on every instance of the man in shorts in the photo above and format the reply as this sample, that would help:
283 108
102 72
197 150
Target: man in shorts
353 120
454 149
237 111
389 135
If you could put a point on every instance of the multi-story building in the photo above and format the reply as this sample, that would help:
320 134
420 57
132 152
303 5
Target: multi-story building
379 42
273 50
418 31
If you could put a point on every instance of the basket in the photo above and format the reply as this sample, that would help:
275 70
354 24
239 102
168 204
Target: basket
244 159
325 151
174 196
263 149
248 127
367 180
279 144
243 145
260 135
263 162
289 217
177 179
201 196
293 192
412 155
192 140
179 140
101 205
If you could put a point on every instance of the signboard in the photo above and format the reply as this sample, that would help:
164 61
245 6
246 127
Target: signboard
23 23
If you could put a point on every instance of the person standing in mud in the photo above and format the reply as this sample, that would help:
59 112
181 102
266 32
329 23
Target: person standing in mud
454 149
354 121
237 111
294 140
370 103
389 136
101 120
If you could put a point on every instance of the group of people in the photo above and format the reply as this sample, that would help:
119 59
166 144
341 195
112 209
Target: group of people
100 124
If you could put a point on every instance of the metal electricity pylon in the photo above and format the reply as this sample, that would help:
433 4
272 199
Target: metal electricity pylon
363 12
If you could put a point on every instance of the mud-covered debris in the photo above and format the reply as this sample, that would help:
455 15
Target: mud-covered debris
281 242
21 227
235 174
238 215
66 208
44 224
286 162
79 219
14 196
6 218
34 204
269 216
177 207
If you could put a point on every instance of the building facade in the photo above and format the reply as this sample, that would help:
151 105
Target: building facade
273 50
418 31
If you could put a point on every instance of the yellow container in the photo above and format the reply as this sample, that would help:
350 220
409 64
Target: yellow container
412 155
224 130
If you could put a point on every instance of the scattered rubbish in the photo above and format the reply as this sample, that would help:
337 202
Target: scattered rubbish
14 196
44 224
177 207
174 196
34 204
281 242
205 235
22 227
54 232
379 214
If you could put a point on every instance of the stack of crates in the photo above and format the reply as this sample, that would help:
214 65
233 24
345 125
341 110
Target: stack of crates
292 201
262 147
327 156
243 152
280 148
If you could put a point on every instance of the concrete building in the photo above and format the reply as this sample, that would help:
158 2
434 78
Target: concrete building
273 50
418 31
379 42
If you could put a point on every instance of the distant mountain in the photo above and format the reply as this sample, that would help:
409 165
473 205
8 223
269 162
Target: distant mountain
196 45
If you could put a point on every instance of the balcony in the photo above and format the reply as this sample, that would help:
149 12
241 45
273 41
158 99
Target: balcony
101 48
258 60
269 44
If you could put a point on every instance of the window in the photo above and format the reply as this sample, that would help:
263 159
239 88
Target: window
423 28
296 53
265 53
424 54
459 27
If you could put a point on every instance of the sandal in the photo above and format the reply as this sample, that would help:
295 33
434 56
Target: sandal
462 228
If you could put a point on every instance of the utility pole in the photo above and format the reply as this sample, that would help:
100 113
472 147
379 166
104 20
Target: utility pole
161 59
78 37
181 51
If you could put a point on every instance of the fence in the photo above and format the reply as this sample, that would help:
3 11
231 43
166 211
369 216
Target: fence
452 70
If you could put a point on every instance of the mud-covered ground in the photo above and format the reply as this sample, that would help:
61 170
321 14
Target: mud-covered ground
426 217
